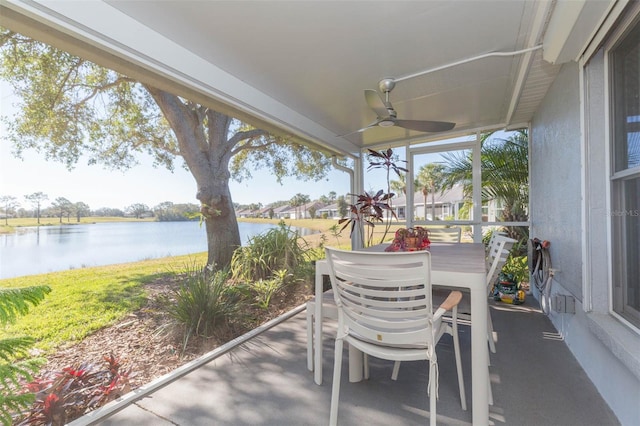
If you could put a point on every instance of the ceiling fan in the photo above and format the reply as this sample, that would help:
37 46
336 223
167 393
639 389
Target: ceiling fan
387 116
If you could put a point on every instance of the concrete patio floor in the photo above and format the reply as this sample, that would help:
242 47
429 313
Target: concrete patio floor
265 381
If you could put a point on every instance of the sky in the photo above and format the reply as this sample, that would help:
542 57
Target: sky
145 184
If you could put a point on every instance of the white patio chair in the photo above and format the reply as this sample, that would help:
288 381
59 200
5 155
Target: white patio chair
493 238
385 310
445 235
498 254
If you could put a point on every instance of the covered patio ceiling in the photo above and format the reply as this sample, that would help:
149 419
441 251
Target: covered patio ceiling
301 68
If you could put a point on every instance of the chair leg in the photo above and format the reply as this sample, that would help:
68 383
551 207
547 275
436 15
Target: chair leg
492 343
396 370
309 337
489 391
433 393
366 366
335 388
456 350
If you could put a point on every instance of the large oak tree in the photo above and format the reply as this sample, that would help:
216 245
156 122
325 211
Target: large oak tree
71 108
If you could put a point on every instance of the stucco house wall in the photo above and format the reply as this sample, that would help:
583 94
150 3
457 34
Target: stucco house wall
568 207
555 177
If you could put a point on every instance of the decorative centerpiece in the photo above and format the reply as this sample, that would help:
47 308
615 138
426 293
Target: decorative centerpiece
410 239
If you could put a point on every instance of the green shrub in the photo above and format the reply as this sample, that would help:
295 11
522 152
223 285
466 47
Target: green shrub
518 267
265 289
15 302
203 301
277 249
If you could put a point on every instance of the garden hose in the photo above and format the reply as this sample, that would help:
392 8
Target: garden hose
539 261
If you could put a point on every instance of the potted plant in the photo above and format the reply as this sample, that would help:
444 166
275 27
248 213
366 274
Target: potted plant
410 239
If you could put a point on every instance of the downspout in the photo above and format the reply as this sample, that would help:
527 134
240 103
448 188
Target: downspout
334 161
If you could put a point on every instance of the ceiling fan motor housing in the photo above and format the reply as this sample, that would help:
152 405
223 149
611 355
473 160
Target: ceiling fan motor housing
386 85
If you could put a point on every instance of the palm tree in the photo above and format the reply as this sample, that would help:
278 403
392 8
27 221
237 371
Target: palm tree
400 185
295 203
300 200
505 174
304 200
430 179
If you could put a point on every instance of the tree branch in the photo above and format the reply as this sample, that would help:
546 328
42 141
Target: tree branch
66 78
249 136
98 89
6 37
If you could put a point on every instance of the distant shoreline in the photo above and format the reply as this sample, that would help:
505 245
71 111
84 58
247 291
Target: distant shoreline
23 222
322 225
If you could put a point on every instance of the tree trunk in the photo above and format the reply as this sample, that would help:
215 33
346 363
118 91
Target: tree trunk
223 236
425 194
207 150
433 204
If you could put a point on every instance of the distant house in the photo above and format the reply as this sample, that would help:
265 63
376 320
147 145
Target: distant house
243 213
331 211
281 212
446 205
264 212
307 208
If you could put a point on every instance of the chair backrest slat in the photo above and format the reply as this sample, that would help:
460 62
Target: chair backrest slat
498 255
384 297
445 235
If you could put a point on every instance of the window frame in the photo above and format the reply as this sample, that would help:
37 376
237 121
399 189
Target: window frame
620 175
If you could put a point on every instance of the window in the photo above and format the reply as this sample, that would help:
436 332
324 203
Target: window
625 180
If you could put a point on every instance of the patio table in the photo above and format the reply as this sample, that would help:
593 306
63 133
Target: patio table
460 265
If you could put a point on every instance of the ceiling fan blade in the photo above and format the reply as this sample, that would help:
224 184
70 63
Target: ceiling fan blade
425 126
376 103
374 124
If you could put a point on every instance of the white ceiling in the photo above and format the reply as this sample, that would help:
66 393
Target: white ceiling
302 67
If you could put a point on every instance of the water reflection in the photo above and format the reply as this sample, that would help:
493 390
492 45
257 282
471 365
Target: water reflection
44 249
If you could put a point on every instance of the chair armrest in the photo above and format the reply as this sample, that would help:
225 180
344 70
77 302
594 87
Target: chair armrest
452 300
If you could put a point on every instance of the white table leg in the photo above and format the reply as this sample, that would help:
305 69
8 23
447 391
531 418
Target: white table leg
479 354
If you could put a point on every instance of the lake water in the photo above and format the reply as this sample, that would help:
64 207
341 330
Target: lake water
32 251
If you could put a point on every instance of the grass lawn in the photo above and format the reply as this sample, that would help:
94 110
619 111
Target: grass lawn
343 240
85 300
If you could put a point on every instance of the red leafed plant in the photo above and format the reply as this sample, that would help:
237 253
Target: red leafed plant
370 209
410 239
68 394
367 211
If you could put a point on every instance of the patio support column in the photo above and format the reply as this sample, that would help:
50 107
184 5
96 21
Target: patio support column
409 191
477 190
357 187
